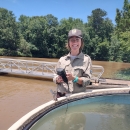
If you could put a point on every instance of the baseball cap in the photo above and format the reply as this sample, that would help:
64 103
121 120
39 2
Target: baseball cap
75 32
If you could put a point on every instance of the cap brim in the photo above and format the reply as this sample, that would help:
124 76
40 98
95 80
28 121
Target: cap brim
74 36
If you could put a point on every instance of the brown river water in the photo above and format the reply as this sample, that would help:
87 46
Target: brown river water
20 94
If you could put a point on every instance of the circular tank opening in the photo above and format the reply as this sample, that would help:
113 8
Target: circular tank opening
109 112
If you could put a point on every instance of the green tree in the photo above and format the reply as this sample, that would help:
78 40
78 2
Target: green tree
115 50
100 29
10 37
123 29
123 18
125 45
99 24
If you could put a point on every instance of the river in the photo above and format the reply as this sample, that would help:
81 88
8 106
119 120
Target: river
19 95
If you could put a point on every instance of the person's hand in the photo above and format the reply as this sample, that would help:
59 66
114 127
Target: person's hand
59 79
69 76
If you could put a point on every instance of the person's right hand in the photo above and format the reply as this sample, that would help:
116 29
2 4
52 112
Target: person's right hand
59 79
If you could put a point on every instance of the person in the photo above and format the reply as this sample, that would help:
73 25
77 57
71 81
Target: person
77 66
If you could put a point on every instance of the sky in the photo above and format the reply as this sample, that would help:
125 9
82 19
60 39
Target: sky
62 8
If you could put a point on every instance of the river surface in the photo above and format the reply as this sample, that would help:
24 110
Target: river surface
19 95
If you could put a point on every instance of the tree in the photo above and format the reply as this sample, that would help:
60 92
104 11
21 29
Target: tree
51 20
100 29
10 37
115 50
123 29
125 45
99 24
123 18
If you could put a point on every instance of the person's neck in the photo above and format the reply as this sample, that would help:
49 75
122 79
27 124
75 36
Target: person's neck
74 53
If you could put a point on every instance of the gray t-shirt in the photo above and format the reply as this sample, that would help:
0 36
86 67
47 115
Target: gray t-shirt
73 57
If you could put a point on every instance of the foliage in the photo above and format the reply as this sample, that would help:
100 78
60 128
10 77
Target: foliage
123 74
123 30
45 36
9 38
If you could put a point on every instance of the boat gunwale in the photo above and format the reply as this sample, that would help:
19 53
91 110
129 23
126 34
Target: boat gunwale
33 116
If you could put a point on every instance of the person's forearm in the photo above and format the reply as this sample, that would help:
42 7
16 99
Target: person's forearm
79 81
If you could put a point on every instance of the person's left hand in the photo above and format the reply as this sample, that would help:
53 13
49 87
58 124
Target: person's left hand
69 76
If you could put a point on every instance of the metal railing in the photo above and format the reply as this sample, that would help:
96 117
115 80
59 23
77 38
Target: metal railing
38 68
97 72
28 67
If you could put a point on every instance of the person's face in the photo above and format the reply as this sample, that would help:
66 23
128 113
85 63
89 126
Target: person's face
74 43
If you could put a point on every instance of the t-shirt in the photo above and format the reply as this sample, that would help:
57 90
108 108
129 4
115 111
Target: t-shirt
73 57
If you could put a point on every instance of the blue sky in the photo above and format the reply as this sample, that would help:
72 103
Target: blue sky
62 8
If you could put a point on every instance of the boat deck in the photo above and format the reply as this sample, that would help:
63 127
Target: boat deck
108 83
115 81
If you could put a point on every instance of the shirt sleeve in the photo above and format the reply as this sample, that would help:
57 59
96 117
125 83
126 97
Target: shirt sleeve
55 75
87 74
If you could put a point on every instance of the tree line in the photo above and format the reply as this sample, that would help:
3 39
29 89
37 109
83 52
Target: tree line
45 36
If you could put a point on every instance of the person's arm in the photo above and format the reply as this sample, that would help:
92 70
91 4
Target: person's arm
86 77
55 75
80 80
57 79
84 80
71 77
